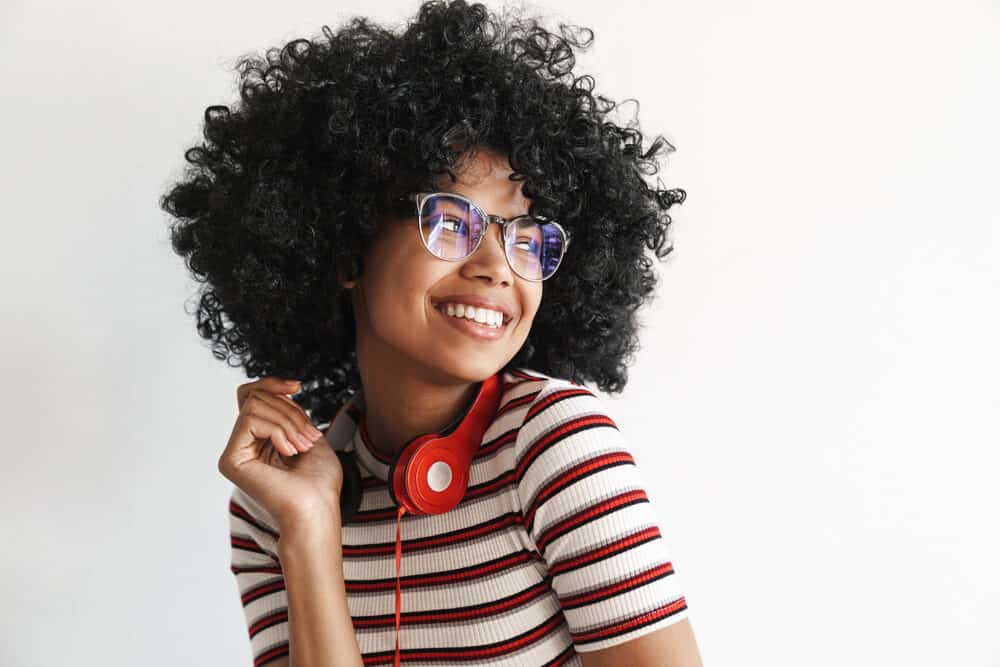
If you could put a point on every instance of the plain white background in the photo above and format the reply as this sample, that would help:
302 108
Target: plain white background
814 409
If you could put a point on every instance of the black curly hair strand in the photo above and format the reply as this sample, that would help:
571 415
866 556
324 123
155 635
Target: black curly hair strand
289 185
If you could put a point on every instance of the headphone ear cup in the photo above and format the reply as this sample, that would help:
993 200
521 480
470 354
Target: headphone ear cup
430 474
351 489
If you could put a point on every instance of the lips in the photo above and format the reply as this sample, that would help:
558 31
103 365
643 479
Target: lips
478 301
473 328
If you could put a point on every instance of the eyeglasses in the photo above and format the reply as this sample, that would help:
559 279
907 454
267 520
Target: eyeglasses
453 226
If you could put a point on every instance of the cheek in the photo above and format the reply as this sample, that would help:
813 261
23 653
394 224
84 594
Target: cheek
398 301
531 300
396 312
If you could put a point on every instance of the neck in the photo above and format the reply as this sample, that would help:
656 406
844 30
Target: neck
403 402
404 398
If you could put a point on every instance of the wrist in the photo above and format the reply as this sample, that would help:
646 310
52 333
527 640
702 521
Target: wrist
310 529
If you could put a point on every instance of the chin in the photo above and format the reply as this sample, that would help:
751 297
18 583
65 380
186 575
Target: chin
472 369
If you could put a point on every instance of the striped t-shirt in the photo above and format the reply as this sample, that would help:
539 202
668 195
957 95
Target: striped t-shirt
554 549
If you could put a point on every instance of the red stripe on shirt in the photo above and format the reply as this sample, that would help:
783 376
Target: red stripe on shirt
271 654
517 402
557 434
589 514
555 397
562 658
490 448
246 544
236 510
600 553
618 587
469 653
622 627
494 525
274 618
571 475
523 376
443 577
261 590
388 514
457 613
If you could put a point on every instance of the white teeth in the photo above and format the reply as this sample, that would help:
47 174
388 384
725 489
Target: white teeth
485 316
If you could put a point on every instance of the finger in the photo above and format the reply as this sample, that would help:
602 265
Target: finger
294 412
286 437
270 383
304 421
272 408
245 467
248 431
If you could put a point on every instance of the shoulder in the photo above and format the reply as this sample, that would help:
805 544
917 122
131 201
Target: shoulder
564 422
542 389
575 475
554 401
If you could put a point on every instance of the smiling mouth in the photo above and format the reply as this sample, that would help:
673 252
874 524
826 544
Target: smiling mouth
472 326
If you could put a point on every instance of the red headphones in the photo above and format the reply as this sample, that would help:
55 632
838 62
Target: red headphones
430 474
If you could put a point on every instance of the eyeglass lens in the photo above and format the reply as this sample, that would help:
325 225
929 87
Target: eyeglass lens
451 229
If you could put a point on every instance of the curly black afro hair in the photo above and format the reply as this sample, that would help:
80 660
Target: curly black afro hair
289 187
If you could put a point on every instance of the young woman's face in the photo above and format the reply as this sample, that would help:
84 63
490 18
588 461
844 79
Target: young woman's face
399 301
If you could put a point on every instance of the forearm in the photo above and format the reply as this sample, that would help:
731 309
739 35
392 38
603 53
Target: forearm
321 633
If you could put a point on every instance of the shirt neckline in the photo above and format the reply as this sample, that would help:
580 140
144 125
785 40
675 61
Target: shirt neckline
347 432
375 462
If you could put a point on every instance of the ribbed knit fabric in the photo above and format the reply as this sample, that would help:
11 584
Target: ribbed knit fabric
554 549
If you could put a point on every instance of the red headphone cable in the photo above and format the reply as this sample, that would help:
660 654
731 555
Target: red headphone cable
399 553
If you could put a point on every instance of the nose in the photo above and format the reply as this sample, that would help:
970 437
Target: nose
496 230
490 258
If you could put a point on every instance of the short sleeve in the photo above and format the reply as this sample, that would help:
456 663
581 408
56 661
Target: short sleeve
259 579
586 510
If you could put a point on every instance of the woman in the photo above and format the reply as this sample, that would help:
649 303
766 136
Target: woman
343 219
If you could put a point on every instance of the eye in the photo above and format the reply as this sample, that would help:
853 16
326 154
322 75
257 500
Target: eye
527 244
452 225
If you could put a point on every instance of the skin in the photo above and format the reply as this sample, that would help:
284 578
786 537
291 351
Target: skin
418 371
419 374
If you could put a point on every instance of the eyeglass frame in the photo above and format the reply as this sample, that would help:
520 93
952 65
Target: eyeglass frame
419 198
